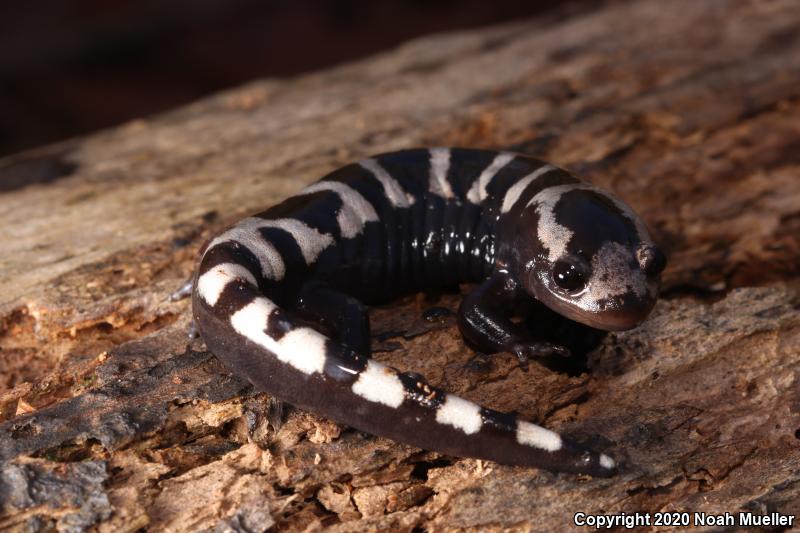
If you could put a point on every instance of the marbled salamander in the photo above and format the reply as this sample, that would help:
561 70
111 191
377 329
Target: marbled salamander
268 287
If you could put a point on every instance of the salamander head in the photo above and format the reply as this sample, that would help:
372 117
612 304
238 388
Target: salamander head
592 259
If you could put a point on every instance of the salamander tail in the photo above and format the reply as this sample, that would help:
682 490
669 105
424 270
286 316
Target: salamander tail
257 339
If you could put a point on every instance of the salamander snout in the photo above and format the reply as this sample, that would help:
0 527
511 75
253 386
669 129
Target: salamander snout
591 260
613 290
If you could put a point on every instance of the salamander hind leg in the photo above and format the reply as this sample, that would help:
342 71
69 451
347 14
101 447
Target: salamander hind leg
182 292
341 316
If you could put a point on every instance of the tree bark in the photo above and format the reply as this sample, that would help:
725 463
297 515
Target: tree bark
111 420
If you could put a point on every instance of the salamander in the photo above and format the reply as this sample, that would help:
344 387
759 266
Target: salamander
281 297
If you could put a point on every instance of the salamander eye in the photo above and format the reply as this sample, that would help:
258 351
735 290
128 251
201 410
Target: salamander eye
569 276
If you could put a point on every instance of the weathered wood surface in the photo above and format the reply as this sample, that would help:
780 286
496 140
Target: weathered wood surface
110 420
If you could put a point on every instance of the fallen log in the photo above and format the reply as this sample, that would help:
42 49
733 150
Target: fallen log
111 420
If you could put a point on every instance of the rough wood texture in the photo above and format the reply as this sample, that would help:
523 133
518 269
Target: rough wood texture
111 421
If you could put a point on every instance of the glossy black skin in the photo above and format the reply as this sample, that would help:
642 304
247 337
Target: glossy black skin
439 243
431 244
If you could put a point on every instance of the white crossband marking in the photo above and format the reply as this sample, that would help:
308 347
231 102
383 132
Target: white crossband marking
477 192
516 190
246 234
607 462
461 414
440 165
356 210
379 383
391 188
555 236
537 436
302 348
550 233
211 284
311 242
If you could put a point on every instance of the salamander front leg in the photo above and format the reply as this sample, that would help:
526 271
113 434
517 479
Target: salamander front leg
341 316
484 320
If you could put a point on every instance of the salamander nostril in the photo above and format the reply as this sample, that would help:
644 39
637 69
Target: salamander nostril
651 259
